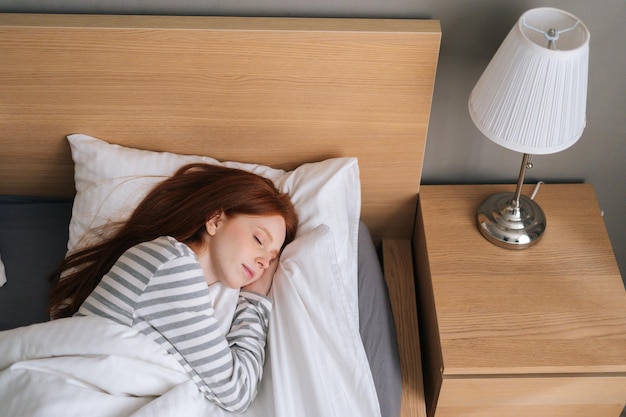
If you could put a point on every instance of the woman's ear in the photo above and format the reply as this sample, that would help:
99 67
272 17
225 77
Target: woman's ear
214 223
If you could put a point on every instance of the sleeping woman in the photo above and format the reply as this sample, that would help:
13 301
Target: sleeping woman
205 224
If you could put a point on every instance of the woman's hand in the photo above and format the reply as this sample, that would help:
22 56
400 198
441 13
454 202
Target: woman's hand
264 283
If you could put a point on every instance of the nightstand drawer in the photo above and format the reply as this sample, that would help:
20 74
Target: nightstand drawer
544 396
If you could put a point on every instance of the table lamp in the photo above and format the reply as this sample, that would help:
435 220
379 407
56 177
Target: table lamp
531 98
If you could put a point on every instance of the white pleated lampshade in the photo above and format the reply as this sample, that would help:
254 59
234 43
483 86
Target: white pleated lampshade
532 98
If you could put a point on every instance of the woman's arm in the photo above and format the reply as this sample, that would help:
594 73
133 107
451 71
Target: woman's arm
159 289
227 368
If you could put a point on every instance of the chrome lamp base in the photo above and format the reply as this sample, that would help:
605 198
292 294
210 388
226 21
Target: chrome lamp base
509 222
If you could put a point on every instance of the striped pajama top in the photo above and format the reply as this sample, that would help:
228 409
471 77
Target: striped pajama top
159 288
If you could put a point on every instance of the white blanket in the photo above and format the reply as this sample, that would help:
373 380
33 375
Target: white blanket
89 366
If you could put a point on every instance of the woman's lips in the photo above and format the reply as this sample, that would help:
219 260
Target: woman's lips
249 272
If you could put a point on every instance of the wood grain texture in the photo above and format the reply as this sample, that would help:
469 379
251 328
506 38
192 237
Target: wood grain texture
545 325
279 92
532 411
398 270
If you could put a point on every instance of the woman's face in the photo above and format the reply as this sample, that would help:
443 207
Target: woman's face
239 248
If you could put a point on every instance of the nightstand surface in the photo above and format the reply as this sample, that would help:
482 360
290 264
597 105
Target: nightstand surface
539 327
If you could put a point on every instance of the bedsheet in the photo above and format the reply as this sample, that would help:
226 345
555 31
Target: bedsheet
316 365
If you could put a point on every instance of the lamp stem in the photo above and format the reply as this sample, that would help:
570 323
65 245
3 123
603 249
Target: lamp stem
520 180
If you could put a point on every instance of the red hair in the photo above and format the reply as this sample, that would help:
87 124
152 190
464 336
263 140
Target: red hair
178 207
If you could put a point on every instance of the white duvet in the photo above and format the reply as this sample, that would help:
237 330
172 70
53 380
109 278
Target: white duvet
88 366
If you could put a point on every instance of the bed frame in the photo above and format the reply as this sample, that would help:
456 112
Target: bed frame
275 91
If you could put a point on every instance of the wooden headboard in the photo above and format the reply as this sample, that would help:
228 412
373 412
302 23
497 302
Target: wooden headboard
276 91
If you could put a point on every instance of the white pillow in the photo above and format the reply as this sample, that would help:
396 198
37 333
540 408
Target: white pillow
313 334
110 180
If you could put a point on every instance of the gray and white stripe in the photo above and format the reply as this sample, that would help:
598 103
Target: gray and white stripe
159 289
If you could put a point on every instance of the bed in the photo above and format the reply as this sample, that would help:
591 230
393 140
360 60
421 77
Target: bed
283 93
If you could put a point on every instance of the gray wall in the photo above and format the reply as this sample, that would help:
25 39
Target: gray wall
472 30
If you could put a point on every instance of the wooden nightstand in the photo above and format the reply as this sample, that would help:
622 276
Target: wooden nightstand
533 332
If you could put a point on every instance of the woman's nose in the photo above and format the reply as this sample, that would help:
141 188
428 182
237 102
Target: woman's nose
263 262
